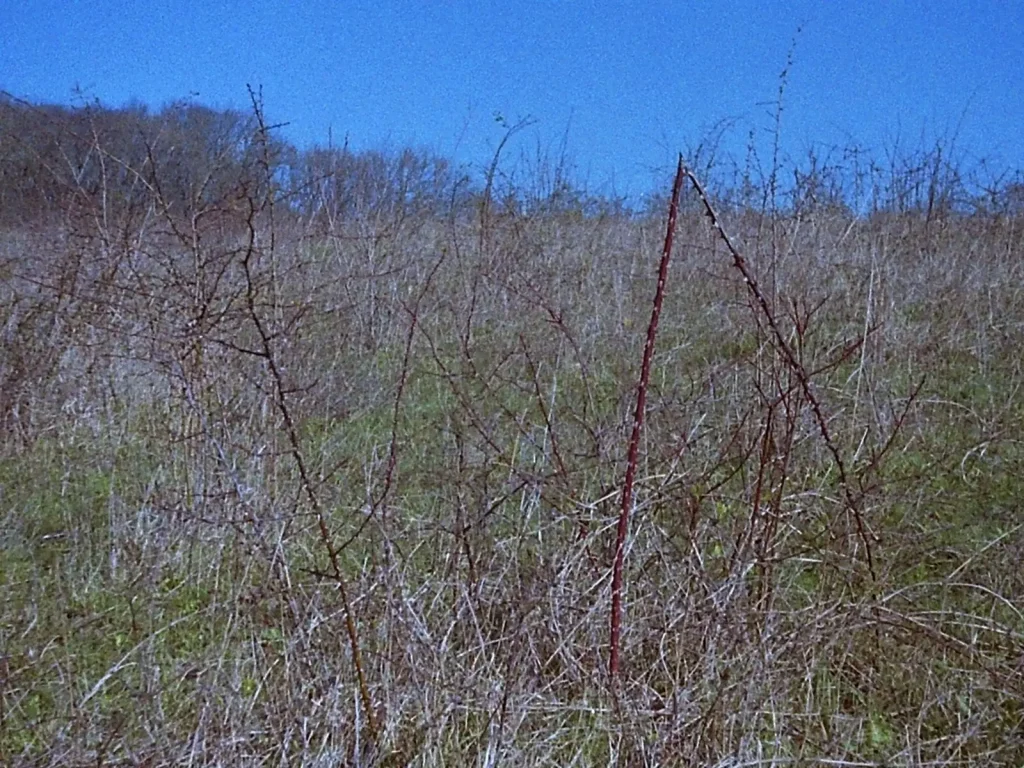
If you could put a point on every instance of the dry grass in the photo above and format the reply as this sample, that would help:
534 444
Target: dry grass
179 412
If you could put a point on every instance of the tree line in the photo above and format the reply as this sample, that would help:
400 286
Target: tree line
193 163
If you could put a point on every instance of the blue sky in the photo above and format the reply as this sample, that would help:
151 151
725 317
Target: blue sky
629 83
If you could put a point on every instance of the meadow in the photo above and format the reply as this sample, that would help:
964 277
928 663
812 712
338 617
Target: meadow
302 489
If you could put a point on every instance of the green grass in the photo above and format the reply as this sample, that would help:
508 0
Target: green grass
163 575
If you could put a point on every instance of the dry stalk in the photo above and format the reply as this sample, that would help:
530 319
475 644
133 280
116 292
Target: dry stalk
413 311
281 391
792 360
638 422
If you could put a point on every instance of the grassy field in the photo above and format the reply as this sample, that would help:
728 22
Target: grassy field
278 496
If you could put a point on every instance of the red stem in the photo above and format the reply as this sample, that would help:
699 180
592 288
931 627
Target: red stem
638 422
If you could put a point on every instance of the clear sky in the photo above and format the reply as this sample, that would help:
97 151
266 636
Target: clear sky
630 83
